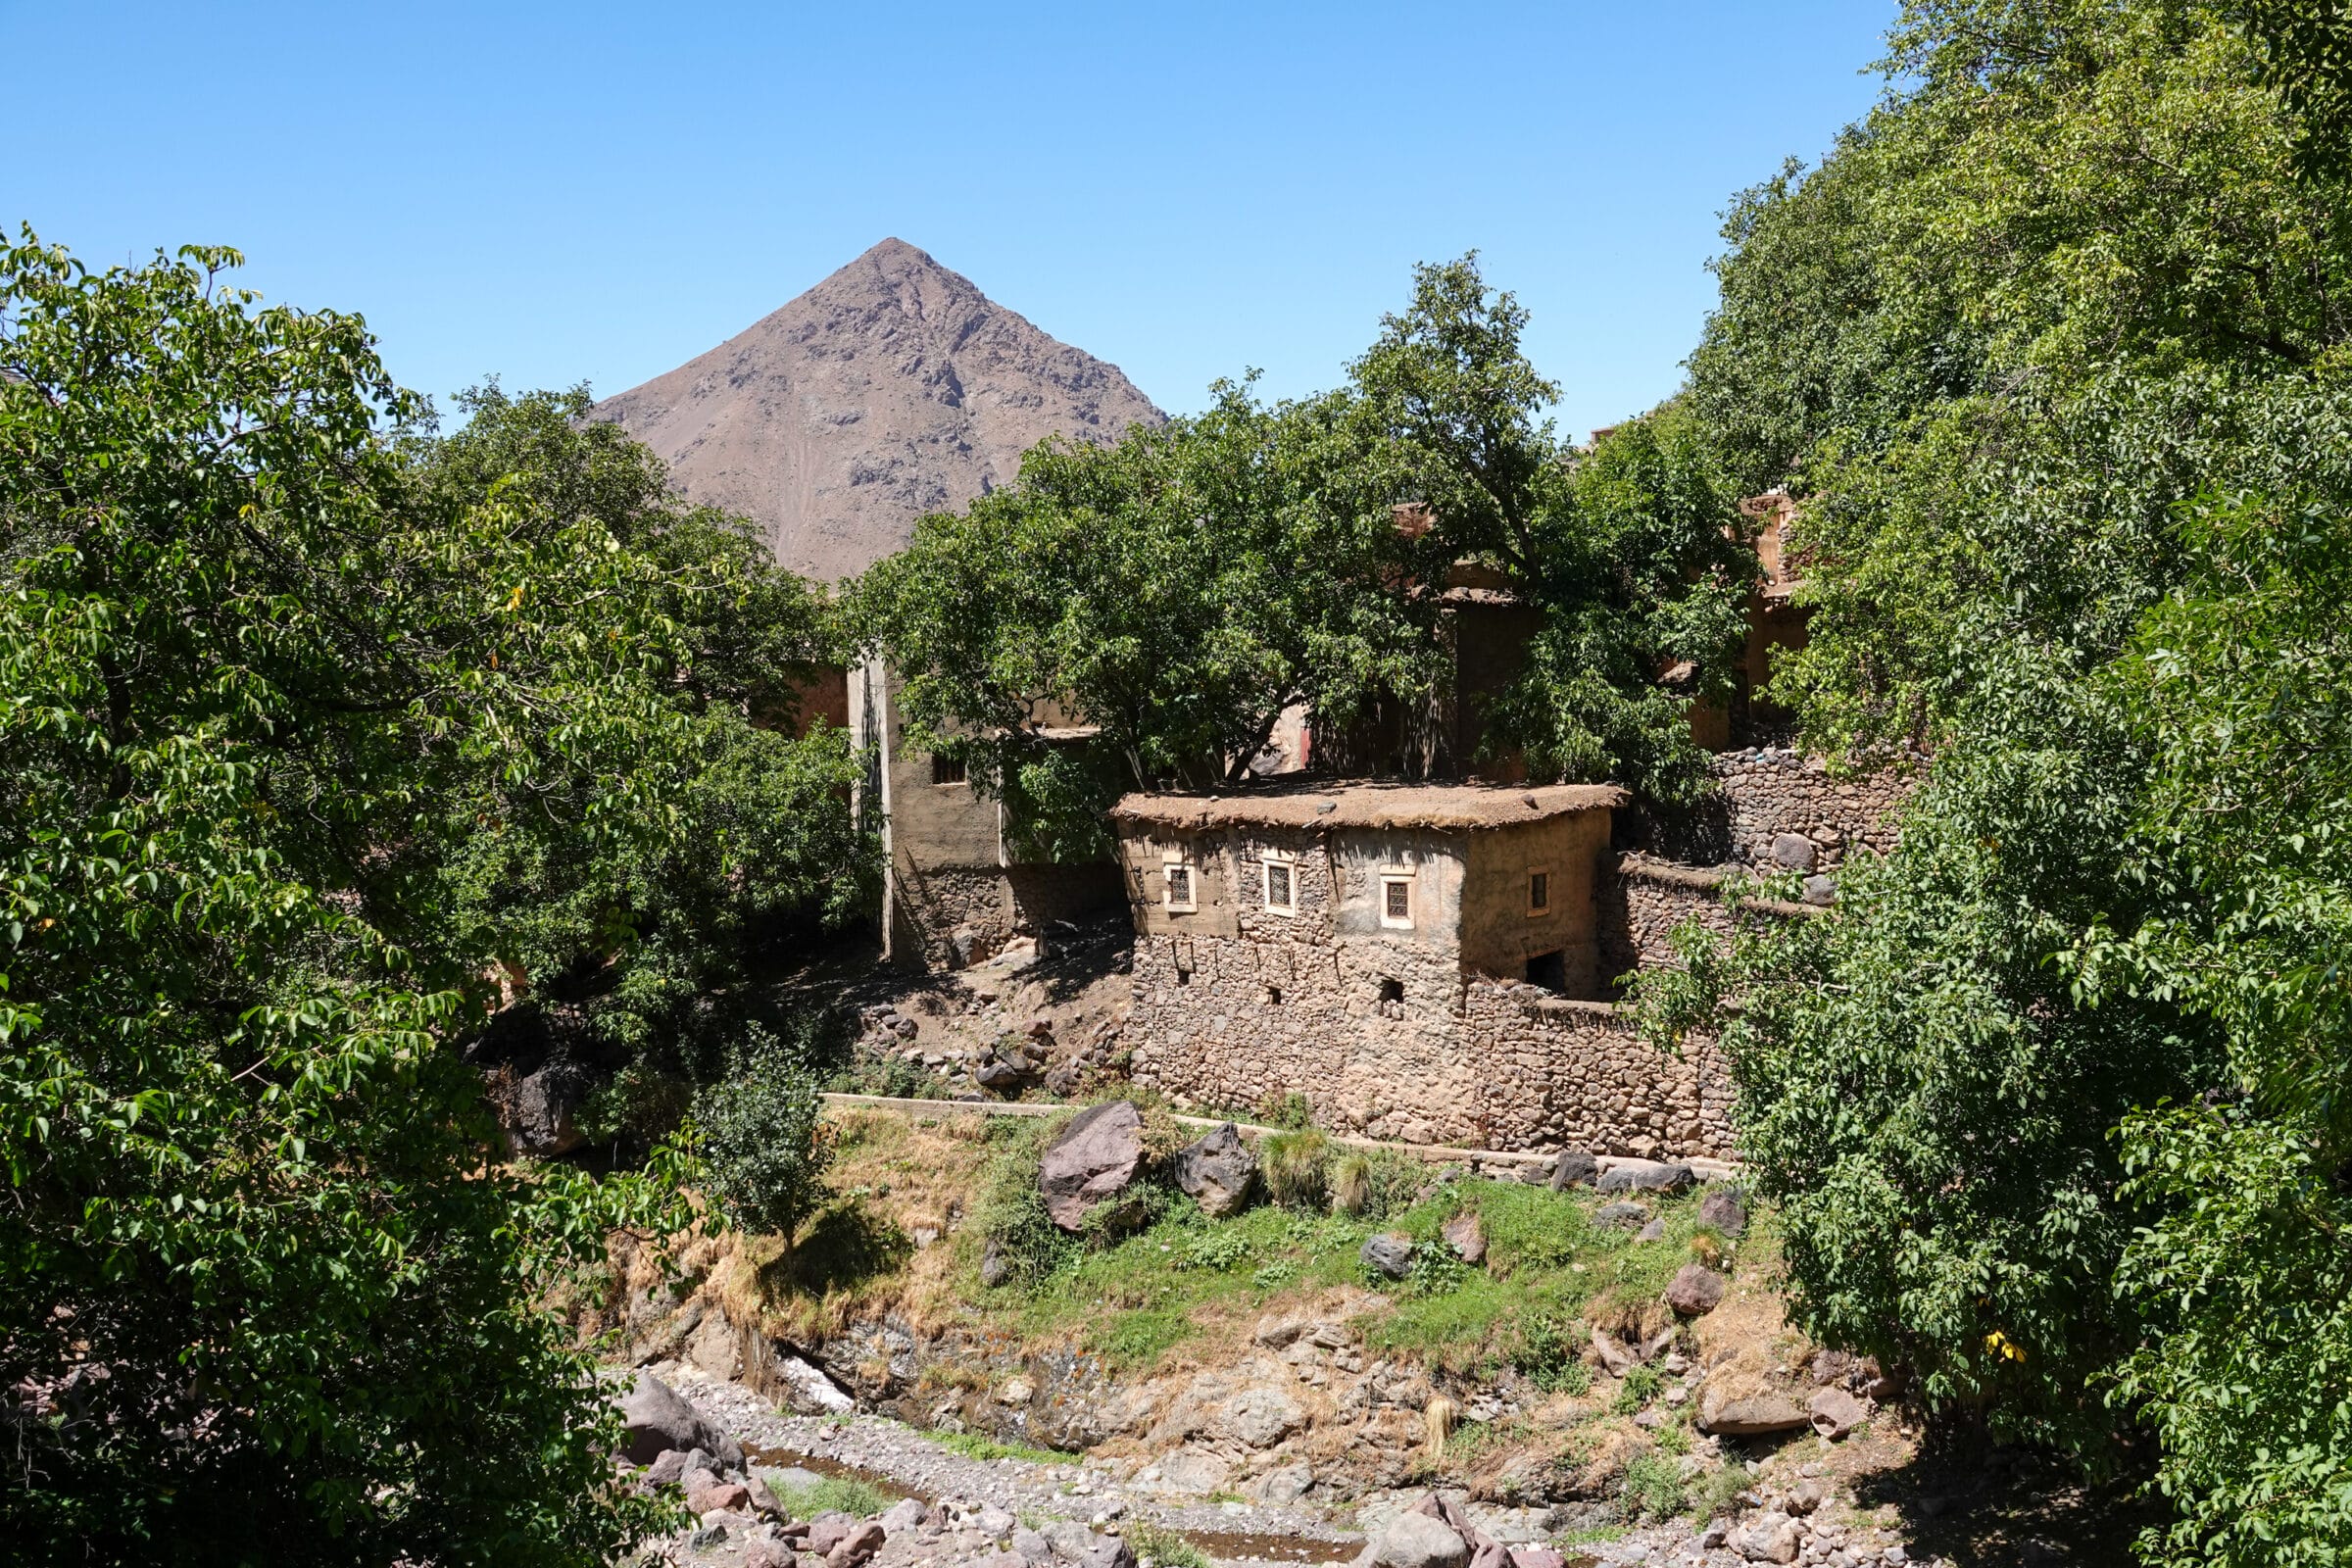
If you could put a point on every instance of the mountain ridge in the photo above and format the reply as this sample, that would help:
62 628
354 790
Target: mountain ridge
892 388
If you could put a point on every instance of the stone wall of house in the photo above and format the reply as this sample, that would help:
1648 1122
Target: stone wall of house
1228 1023
1773 793
964 914
1556 1073
1643 902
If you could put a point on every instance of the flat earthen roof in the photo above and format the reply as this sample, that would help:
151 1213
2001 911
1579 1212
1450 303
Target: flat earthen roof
1466 807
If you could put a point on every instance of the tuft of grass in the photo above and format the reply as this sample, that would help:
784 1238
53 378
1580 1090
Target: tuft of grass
1351 1184
1718 1491
1294 1166
1640 1385
972 1446
829 1494
1652 1488
1167 1548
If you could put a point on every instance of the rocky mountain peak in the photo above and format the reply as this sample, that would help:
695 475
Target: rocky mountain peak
893 388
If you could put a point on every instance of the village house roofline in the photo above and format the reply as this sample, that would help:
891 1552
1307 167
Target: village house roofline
1366 804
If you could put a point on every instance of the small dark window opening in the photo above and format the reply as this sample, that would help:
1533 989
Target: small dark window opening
1391 999
945 769
1539 890
1184 977
1274 996
1548 970
1278 885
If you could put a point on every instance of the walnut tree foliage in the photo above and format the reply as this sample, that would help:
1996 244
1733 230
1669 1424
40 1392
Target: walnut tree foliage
313 736
2052 349
1183 586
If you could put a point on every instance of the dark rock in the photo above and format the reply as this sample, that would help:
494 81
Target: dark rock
1467 1237
1065 1079
1645 1176
1574 1169
670 1466
1820 890
1621 1216
1093 1159
1794 851
1655 1231
540 1108
1110 1552
1217 1170
1722 1208
658 1420
856 1547
1539 1175
993 1269
1696 1291
830 1530
1001 1076
1390 1252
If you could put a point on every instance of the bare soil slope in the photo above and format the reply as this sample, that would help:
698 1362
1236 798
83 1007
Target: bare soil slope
893 388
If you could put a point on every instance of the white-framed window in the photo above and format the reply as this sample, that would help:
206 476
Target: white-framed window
1281 872
1538 891
1179 884
1396 900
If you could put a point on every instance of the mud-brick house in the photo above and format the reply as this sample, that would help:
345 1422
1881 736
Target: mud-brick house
1421 961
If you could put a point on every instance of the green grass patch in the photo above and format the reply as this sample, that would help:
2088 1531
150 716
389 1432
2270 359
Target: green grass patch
829 1494
1166 1548
972 1446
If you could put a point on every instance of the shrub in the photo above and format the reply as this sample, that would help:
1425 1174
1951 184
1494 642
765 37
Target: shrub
1640 1385
1547 1354
1292 1111
1154 1544
1652 1488
1295 1165
765 1147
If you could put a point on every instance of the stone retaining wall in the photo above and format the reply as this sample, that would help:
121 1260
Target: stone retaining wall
1559 1073
1769 792
1470 1060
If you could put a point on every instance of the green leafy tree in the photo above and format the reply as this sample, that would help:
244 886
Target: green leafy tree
2067 225
1179 589
655 943
1185 586
1633 551
2243 1277
266 1294
764 1142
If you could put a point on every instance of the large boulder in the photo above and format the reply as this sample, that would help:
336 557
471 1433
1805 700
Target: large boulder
659 1419
540 1108
1092 1159
1723 1209
1418 1541
1645 1176
1836 1412
1390 1252
1696 1291
1770 1538
1262 1416
1467 1237
1217 1171
1736 1406
1574 1169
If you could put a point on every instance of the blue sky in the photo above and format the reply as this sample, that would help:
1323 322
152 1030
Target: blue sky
600 192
